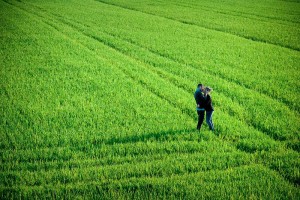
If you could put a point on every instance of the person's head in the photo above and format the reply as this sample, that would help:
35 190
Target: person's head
201 87
208 90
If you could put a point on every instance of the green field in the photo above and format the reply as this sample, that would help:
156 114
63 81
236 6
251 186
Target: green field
97 99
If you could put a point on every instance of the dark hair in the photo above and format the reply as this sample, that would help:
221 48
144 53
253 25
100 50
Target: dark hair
208 89
199 85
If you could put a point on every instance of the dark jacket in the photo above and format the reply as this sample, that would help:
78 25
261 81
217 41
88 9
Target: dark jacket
208 104
199 98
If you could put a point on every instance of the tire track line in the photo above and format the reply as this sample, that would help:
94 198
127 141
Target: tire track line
186 111
141 82
120 178
146 159
106 184
247 15
266 94
169 79
134 79
252 38
206 70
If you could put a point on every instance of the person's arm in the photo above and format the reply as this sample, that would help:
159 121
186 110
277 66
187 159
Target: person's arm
198 97
202 101
208 100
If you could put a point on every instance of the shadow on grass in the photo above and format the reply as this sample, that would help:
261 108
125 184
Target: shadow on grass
169 135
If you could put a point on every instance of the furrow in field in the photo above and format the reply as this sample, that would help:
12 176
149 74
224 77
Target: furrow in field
119 154
259 127
252 38
284 162
177 164
279 6
95 156
92 150
285 100
101 61
139 81
156 91
124 70
237 13
209 184
175 62
174 79
133 77
250 144
144 83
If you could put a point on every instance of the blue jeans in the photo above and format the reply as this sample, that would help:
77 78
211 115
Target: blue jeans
209 119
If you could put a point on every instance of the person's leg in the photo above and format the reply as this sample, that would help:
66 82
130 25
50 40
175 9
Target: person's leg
209 119
198 123
200 118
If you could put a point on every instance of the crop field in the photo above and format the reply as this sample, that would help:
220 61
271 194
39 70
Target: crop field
97 99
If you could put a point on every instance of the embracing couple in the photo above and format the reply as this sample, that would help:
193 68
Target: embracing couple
204 104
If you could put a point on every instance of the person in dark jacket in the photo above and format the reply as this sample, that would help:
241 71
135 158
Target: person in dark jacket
200 103
209 108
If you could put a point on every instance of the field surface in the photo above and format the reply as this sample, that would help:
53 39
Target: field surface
97 99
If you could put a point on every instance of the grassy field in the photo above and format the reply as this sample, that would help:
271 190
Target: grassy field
97 99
